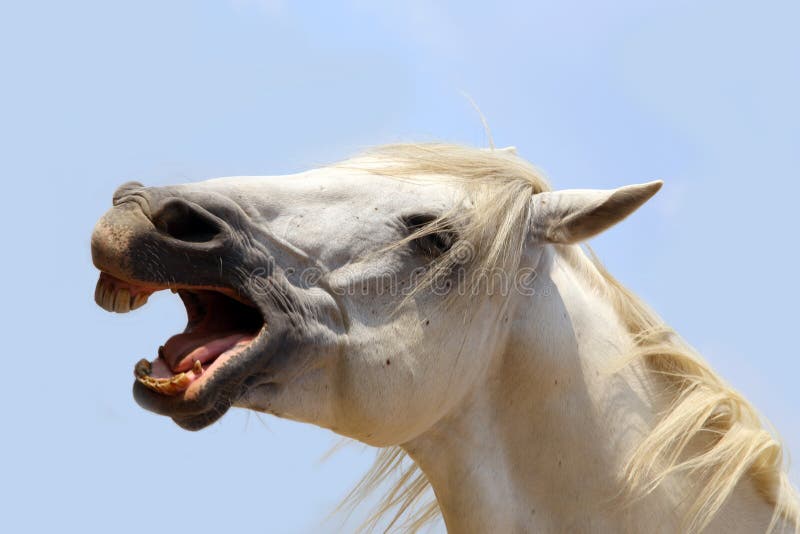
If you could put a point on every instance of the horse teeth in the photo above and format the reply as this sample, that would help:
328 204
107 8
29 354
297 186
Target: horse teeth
99 290
122 301
111 298
108 299
166 386
197 368
143 368
104 296
139 300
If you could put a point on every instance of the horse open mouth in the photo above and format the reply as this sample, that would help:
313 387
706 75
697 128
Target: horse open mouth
221 325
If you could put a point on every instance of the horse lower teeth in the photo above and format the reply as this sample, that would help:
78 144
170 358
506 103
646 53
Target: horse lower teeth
166 386
143 368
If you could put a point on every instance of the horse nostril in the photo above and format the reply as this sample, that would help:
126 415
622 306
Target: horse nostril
186 221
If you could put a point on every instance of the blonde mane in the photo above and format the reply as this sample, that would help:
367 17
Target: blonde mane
709 431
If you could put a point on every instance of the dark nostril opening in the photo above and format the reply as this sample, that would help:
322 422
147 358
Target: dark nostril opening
187 222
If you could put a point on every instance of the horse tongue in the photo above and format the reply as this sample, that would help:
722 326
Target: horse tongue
181 351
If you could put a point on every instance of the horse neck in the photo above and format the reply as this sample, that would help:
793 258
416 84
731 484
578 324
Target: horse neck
540 444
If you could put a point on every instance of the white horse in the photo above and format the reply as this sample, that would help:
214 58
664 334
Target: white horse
434 300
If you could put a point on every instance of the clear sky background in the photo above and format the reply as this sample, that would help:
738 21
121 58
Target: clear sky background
703 95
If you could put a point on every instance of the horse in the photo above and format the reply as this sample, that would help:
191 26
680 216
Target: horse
438 302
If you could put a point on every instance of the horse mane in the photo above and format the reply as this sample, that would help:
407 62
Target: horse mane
709 432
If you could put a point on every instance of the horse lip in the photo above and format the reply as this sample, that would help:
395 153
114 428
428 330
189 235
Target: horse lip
113 235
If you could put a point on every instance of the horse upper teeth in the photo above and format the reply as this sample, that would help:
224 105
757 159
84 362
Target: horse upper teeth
114 299
197 368
122 301
138 300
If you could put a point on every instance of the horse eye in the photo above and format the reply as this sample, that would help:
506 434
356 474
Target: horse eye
429 242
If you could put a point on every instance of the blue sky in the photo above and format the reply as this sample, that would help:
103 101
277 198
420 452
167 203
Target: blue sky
703 95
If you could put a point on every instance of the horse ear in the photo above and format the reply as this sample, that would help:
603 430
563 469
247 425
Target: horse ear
574 215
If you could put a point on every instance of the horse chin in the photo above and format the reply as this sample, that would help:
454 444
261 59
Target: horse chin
199 373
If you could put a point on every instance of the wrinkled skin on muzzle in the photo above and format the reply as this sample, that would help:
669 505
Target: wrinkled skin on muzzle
212 248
